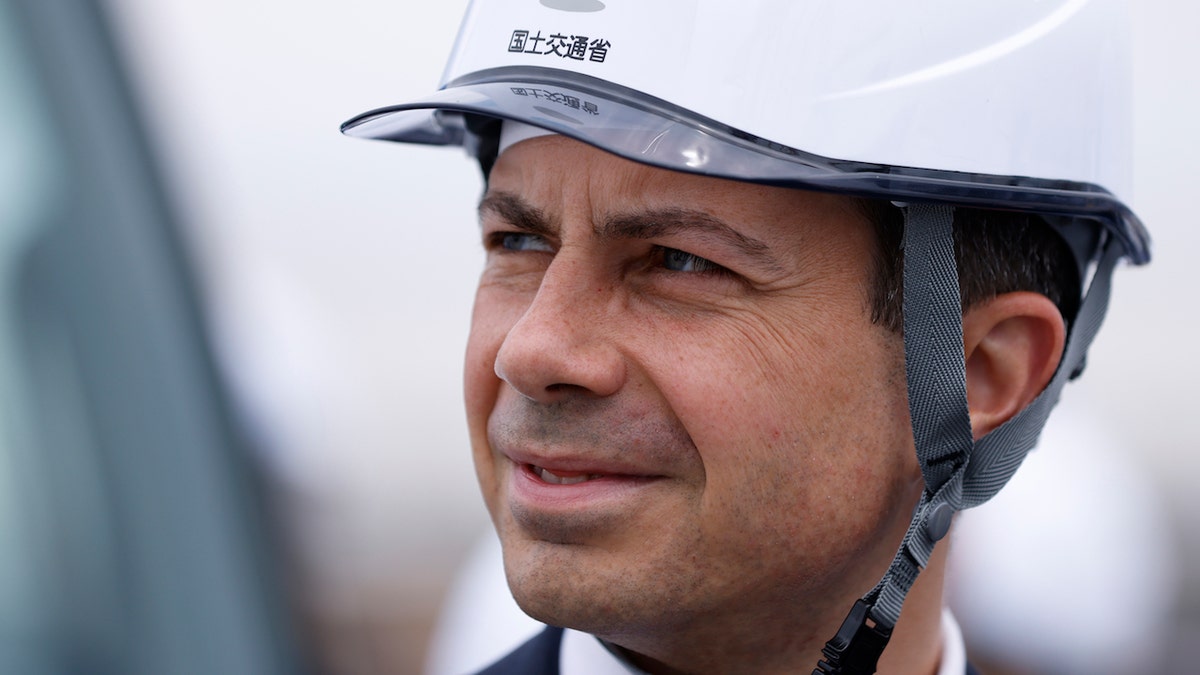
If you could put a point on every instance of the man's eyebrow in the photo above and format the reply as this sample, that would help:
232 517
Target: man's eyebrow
648 224
655 223
516 212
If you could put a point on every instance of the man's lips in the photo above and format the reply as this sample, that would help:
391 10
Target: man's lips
573 494
585 468
568 502
562 477
569 477
575 506
592 442
571 470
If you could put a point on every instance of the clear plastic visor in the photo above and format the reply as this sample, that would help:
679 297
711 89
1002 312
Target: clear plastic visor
637 127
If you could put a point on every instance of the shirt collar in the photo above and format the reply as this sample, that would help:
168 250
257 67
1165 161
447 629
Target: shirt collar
583 654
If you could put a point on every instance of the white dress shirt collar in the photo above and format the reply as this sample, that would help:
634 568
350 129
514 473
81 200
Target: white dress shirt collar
583 654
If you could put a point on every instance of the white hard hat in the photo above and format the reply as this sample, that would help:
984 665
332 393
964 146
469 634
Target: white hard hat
1019 104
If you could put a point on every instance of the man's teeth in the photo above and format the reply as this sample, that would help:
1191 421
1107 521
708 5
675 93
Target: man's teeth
555 479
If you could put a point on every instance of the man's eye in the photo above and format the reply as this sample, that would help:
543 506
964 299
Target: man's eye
521 241
682 261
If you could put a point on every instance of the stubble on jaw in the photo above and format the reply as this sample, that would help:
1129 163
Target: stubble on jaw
591 589
662 623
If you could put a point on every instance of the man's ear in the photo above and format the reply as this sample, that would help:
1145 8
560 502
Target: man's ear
1013 344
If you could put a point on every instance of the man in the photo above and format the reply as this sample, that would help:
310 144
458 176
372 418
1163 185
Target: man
722 382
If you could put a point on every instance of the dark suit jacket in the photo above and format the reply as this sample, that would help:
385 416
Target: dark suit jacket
539 656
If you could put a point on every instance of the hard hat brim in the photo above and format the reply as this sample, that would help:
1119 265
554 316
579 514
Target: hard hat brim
647 130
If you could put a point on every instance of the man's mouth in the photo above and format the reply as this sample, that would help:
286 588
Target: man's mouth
562 477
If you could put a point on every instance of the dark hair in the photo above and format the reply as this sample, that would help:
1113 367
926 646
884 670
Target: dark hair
997 252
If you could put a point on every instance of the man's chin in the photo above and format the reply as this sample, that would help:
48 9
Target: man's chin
607 571
572 586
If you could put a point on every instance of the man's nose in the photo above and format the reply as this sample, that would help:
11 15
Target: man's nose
562 345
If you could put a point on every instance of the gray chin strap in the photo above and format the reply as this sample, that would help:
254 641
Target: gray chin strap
959 472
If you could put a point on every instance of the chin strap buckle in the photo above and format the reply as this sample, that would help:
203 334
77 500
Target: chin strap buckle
856 648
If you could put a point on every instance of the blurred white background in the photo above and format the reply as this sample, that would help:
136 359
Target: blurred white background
339 275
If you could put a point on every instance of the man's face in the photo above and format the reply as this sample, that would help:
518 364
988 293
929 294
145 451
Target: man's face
683 420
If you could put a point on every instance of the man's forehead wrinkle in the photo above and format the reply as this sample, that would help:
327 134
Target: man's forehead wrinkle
653 223
516 212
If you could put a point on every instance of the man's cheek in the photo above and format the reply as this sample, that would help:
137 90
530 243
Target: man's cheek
480 383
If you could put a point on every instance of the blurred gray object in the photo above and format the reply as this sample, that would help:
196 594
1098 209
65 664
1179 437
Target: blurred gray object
134 536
